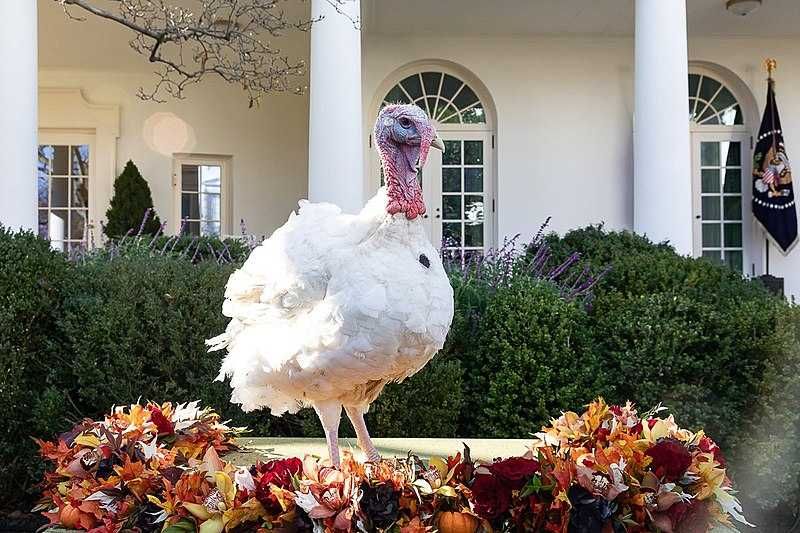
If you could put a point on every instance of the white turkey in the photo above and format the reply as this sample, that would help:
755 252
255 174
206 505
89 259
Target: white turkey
334 306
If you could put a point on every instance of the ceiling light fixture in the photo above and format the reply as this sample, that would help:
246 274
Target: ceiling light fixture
742 7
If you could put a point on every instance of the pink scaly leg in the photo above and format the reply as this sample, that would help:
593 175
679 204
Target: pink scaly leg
356 415
329 413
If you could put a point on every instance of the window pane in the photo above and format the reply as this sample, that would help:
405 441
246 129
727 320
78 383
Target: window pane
733 235
734 259
209 207
711 208
451 207
59 194
190 206
465 98
42 189
733 151
432 103
191 228
452 153
473 179
451 179
431 81
708 88
474 115
732 207
450 85
412 86
449 115
80 160
77 224
451 234
210 180
473 234
57 224
709 154
43 216
473 208
712 237
732 180
189 177
79 194
473 152
710 178
396 96
694 82
715 256
209 228
46 153
724 99
709 116
59 163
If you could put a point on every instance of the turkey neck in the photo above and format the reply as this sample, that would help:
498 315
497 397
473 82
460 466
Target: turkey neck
402 187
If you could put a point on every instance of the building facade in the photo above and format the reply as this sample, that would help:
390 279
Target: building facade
639 114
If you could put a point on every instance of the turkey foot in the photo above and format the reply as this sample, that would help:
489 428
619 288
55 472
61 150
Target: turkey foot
356 415
329 413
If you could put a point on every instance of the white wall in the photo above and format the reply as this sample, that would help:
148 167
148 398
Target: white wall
565 114
268 145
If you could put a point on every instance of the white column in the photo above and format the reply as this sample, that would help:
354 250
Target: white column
336 143
18 113
662 191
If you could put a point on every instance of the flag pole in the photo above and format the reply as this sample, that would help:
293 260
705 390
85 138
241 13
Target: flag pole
771 65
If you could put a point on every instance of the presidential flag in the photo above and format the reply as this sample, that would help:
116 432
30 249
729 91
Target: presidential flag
773 194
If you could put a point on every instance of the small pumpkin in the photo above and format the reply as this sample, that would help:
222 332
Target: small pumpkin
70 517
455 522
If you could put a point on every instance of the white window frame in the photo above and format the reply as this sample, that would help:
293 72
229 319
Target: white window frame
75 138
225 162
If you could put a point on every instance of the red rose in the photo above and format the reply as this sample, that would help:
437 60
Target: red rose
491 497
670 459
163 424
707 445
279 473
515 471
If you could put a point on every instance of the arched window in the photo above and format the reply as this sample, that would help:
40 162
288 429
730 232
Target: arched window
721 170
458 183
447 99
711 103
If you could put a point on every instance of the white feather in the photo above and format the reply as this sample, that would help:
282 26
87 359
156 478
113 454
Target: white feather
331 307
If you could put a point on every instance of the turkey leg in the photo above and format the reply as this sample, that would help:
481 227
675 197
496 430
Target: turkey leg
356 415
329 413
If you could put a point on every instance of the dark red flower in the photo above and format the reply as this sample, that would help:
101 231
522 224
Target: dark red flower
602 434
707 445
616 409
492 498
163 424
695 519
670 459
279 473
652 422
515 471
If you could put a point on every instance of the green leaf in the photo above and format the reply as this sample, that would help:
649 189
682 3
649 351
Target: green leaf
184 525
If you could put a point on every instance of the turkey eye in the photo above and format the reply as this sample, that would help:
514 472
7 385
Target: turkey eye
404 122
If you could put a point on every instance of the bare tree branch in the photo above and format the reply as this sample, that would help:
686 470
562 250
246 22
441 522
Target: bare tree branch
230 39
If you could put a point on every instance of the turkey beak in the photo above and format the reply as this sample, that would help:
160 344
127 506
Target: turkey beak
437 143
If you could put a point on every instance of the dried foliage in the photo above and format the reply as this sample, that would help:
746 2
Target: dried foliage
192 39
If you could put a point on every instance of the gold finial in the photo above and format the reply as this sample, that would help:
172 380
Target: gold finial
771 65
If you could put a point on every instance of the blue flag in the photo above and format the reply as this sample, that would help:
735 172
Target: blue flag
773 194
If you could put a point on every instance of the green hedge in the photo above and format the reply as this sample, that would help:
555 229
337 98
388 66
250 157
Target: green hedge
130 322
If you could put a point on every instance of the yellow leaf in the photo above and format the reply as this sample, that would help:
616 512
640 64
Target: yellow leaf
154 500
225 486
423 486
198 511
90 441
212 525
447 490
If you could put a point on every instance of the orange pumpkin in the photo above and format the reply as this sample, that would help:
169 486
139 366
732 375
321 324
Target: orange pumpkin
70 517
454 522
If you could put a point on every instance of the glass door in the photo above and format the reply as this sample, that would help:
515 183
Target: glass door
64 178
721 174
459 194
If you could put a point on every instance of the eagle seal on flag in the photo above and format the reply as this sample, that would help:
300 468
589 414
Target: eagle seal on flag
773 193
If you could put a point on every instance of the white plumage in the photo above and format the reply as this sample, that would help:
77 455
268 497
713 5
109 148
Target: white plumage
332 307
